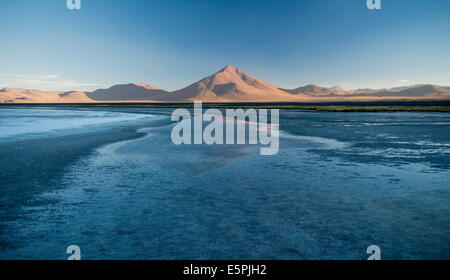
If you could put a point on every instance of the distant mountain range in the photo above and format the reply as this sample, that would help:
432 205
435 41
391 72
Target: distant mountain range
227 85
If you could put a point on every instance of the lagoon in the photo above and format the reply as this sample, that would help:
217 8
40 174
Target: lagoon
114 184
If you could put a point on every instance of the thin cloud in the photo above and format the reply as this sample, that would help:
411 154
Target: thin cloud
47 82
39 77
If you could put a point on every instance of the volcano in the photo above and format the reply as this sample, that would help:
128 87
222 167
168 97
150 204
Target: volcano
228 85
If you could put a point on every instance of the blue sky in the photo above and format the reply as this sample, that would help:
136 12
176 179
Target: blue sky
170 44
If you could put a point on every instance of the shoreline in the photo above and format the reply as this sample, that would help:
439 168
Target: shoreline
313 108
31 161
27 167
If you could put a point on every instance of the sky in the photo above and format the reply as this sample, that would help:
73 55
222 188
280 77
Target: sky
173 43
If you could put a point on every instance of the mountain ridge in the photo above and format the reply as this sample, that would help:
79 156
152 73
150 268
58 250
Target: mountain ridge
229 84
124 92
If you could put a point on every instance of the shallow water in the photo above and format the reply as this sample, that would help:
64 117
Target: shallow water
340 182
25 124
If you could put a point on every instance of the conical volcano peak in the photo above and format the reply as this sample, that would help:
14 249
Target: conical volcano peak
230 83
229 74
230 68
